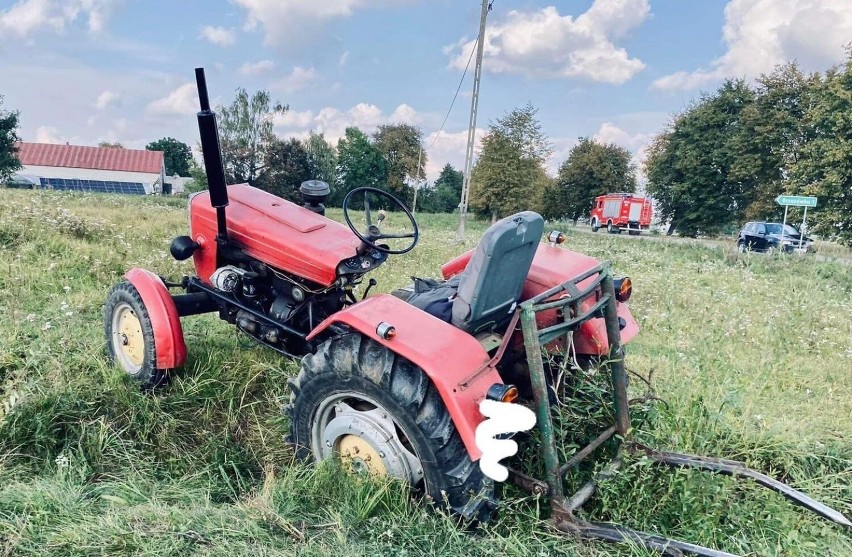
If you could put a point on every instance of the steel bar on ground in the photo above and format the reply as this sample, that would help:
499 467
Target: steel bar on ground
734 468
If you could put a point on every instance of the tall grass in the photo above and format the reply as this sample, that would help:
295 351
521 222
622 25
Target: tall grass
752 355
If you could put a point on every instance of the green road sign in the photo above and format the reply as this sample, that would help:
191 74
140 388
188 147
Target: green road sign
796 201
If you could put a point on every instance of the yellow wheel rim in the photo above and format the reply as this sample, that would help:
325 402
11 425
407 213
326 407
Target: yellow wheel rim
128 339
359 456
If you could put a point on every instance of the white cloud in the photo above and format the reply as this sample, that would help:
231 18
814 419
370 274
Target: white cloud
332 122
404 114
107 99
218 35
253 68
27 16
761 34
48 134
343 59
183 100
546 44
292 119
293 21
448 148
296 80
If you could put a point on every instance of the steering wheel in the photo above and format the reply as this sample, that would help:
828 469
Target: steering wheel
373 233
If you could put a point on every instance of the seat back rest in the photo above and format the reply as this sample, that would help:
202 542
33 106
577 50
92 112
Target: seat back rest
492 282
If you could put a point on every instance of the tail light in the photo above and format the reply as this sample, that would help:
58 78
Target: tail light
502 393
623 288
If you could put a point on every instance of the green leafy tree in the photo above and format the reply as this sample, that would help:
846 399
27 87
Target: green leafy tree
359 163
592 169
177 155
110 145
444 195
246 135
522 128
286 166
199 178
9 163
824 168
400 144
509 175
771 136
690 165
322 158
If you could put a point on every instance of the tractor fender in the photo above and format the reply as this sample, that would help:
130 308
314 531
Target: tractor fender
169 345
452 359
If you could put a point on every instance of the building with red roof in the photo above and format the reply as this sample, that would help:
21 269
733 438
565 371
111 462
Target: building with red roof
96 169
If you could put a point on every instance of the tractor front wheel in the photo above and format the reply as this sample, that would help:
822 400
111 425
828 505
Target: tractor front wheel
356 401
130 336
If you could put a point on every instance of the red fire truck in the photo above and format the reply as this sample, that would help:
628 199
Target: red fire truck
621 211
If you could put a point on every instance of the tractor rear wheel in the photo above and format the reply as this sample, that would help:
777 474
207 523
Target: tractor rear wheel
380 414
130 336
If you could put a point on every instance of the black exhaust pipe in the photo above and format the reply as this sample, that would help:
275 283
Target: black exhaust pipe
212 153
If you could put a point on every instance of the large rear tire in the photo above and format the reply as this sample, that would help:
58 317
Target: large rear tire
130 336
379 413
610 228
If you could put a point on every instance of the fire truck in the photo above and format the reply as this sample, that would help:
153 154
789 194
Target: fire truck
621 211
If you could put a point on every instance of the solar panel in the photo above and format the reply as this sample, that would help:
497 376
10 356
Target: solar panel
93 186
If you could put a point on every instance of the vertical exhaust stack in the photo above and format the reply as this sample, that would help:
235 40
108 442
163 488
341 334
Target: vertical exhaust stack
212 153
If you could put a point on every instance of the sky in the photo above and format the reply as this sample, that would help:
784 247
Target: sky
85 71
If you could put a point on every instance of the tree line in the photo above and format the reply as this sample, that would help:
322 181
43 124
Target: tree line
727 156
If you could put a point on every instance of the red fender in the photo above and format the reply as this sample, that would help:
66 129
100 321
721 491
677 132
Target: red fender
168 334
454 361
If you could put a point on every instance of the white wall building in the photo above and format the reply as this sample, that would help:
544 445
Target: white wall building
95 169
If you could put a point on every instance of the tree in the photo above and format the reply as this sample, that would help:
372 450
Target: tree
199 178
503 181
592 169
444 195
9 163
359 163
509 175
690 165
823 168
110 145
286 167
246 134
771 136
524 131
322 158
401 146
177 155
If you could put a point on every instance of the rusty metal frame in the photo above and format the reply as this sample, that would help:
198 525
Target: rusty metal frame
570 297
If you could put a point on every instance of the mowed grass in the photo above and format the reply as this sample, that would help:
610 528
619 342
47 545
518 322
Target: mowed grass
752 356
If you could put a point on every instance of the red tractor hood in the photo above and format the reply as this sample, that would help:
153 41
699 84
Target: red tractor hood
277 232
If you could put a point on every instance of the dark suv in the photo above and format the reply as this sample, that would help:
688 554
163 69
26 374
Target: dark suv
767 237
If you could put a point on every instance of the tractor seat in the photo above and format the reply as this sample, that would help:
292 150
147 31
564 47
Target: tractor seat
482 297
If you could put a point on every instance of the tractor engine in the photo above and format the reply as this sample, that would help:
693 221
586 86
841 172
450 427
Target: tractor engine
283 299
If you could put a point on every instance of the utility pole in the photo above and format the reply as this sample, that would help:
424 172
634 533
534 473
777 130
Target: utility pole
471 131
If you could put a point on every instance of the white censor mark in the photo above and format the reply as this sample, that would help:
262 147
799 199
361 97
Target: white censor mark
501 418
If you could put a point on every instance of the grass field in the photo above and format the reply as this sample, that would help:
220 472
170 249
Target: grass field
752 356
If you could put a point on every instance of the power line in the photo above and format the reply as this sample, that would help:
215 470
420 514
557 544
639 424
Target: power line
461 82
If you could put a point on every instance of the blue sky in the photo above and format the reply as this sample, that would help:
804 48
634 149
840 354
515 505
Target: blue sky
122 70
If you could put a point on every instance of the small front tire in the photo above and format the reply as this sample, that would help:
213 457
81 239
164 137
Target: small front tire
130 336
741 247
595 225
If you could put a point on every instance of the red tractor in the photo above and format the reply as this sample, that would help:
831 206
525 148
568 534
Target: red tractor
422 385
621 211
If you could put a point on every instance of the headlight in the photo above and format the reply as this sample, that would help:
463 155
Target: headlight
623 288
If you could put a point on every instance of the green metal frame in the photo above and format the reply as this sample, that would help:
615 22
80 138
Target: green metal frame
570 298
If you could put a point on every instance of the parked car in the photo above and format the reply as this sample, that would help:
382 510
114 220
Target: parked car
768 237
